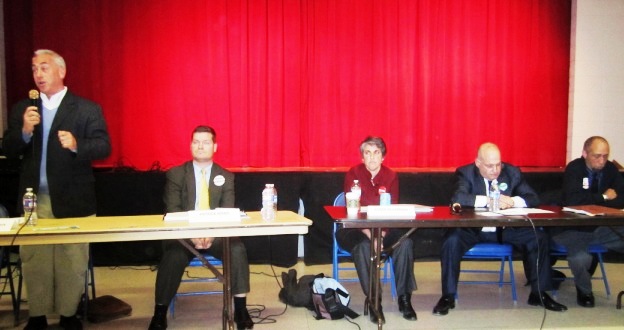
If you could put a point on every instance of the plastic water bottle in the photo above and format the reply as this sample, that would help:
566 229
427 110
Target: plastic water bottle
30 207
495 196
269 202
356 189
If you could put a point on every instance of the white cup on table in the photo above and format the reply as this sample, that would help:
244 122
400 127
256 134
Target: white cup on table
353 203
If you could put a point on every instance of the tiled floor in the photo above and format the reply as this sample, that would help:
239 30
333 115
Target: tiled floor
479 306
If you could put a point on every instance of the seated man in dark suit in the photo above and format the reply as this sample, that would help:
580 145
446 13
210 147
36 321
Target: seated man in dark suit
472 189
198 185
590 179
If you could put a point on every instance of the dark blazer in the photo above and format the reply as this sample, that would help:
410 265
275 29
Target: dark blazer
575 194
470 184
180 188
70 175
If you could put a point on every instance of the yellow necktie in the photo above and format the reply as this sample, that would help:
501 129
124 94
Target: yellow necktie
204 194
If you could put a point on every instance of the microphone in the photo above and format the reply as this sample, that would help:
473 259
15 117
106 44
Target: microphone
456 208
33 95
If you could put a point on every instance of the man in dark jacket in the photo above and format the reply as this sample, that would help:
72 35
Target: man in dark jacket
472 190
57 140
590 180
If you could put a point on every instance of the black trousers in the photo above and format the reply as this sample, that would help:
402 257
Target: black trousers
458 241
176 258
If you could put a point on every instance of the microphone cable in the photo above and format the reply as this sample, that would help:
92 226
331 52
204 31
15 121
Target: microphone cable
537 268
27 217
269 319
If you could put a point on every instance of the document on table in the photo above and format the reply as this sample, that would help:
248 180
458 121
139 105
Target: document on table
515 211
593 210
416 207
6 224
216 215
394 211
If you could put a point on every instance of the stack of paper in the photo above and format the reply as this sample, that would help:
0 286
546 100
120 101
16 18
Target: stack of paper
6 224
216 215
394 211
417 207
593 210
522 211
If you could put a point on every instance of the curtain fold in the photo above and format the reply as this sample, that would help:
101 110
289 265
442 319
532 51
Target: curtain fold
301 83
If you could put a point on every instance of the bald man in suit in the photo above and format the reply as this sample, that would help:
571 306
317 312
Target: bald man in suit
472 190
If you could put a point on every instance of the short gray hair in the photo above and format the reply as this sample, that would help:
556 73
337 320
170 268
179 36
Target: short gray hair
58 59
374 141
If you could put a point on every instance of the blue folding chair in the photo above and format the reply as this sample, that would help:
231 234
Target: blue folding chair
195 262
10 269
89 282
338 252
492 251
596 249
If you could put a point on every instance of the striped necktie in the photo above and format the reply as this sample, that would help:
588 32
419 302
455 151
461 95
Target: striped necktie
204 193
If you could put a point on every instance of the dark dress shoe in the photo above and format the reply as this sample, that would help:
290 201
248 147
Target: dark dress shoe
585 299
405 307
159 322
544 300
242 319
37 323
373 317
70 323
444 304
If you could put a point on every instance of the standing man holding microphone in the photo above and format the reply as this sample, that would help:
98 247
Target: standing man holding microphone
57 139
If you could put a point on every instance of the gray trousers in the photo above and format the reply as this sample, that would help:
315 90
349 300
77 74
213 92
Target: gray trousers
176 258
577 244
55 273
354 241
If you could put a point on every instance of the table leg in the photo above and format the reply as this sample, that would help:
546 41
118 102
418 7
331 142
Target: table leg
228 318
374 286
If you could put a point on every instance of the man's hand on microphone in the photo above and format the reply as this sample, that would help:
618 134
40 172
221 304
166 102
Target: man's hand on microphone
67 140
31 118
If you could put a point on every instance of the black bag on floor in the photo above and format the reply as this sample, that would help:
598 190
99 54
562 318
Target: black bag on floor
296 292
106 308
330 299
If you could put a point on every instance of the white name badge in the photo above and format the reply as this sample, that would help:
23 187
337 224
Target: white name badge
229 214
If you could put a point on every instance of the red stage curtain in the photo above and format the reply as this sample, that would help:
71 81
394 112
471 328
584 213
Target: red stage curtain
301 83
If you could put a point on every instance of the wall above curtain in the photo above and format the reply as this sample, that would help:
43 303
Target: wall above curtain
302 82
